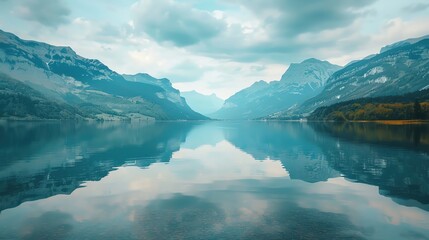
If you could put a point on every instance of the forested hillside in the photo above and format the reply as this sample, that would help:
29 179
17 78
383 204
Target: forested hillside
19 101
406 107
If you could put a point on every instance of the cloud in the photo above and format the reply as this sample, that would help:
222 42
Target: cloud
285 31
416 7
48 13
290 17
174 22
186 71
211 46
109 33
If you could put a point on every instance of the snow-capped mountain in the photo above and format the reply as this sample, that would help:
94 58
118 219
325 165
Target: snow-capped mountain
396 71
60 75
300 82
204 104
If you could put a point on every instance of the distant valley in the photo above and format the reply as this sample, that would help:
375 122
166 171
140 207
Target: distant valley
204 104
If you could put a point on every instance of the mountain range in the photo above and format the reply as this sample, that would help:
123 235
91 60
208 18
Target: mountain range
41 81
394 71
300 82
59 84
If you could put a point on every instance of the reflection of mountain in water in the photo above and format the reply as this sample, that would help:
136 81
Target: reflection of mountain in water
44 159
288 142
394 158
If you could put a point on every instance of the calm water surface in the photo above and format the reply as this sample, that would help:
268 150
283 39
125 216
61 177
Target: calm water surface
213 180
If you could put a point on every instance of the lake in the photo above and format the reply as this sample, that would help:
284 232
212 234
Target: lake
213 180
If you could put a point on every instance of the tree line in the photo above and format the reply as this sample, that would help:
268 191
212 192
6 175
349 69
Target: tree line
412 106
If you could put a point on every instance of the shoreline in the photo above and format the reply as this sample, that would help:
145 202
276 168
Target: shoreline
396 122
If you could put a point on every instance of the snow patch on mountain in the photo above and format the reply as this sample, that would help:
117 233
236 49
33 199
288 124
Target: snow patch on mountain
373 71
382 79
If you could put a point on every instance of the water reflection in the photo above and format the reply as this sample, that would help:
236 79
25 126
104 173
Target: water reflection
214 180
181 217
40 160
394 158
49 224
291 143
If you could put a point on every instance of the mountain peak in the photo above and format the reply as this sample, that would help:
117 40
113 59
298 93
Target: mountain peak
259 83
309 71
403 43
148 79
30 45
312 60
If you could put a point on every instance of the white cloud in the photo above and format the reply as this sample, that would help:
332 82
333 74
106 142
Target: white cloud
175 22
48 13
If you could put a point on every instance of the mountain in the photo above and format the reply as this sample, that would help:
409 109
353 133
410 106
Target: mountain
300 82
148 79
403 43
59 75
19 101
204 104
397 71
169 93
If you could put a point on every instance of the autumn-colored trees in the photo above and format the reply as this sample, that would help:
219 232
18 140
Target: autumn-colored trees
407 107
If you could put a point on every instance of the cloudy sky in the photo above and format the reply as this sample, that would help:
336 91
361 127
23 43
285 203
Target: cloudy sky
216 46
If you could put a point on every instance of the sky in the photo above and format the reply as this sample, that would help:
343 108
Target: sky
216 46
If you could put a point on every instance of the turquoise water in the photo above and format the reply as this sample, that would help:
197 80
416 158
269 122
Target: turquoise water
213 180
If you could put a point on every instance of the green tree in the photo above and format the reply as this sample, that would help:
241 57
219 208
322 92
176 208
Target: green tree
418 114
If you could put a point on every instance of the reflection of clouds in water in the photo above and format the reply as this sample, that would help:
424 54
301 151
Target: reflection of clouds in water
225 162
179 217
189 217
347 213
50 225
209 133
413 235
285 220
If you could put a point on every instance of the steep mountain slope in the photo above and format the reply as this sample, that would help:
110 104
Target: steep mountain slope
63 76
394 72
402 43
19 101
169 93
145 78
299 83
204 104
